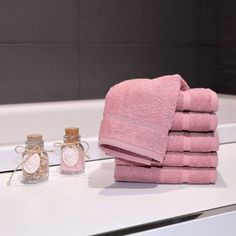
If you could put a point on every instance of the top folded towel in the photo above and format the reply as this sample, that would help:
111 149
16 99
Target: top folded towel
138 115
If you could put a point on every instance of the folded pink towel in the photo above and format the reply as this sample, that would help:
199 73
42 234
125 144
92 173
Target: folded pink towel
170 175
180 159
138 115
194 121
178 142
198 99
193 142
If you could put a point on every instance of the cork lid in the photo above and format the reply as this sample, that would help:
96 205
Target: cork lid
72 132
34 138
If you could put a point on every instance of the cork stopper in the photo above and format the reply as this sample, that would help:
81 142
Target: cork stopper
72 132
34 138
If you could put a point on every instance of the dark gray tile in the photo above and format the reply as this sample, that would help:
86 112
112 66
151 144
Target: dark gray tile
227 69
209 69
38 21
209 22
218 68
102 67
38 73
140 21
227 22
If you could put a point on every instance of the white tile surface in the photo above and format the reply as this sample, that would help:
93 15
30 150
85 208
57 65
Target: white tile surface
94 203
38 210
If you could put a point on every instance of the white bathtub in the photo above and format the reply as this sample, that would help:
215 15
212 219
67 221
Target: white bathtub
49 119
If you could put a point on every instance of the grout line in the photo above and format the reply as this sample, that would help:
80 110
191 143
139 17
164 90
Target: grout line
2 44
79 51
199 45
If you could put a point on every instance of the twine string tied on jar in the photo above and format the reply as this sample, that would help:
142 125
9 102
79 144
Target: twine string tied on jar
29 152
75 146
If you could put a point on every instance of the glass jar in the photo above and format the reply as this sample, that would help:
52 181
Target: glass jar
36 167
72 155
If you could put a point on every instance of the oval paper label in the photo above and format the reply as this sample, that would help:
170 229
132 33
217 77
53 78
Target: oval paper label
32 164
70 156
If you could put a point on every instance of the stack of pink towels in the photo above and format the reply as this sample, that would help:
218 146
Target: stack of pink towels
161 131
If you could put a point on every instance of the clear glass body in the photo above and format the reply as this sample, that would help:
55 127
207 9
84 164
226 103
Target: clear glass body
72 159
36 168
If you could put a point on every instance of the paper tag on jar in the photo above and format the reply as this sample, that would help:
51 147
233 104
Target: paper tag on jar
32 164
70 156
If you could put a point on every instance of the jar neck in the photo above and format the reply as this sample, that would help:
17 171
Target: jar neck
31 145
71 139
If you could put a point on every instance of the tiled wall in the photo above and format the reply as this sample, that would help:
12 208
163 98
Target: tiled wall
218 45
39 50
76 49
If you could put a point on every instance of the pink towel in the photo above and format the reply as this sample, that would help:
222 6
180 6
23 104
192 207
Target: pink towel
198 99
180 159
194 121
171 175
138 115
193 142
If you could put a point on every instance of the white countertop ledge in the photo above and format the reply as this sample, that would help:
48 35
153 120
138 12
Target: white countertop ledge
94 203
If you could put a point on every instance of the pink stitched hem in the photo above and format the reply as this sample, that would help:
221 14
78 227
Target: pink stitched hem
125 146
131 158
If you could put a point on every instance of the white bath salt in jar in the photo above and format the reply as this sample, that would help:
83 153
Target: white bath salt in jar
35 167
72 153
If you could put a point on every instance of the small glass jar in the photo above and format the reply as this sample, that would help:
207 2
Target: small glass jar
72 156
36 168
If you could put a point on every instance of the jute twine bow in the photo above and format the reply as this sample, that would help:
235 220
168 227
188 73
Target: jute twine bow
75 146
29 152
